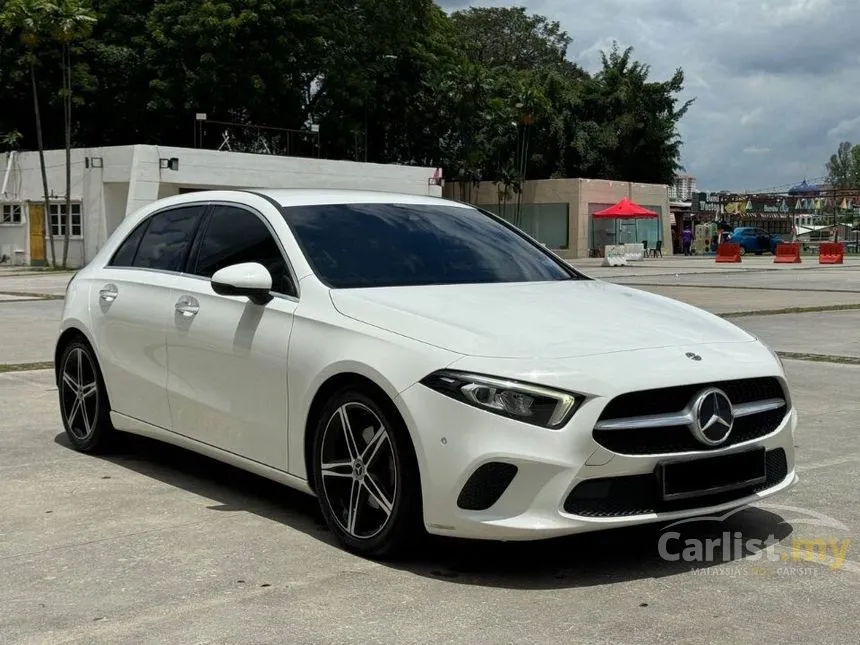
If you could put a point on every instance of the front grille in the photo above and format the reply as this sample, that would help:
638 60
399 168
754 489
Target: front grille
674 439
640 494
672 399
486 485
658 441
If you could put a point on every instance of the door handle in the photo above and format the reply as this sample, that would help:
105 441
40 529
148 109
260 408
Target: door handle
187 306
108 293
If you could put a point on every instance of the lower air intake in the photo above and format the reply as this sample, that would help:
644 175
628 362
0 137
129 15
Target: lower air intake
486 486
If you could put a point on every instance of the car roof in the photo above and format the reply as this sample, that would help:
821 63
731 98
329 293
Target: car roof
318 196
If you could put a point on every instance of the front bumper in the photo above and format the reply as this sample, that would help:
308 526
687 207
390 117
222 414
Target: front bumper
454 440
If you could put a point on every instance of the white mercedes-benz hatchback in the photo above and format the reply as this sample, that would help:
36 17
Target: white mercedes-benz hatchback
417 364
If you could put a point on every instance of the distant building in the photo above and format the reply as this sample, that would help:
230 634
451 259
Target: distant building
683 188
804 188
559 212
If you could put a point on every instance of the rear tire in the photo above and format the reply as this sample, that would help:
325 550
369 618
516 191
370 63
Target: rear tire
84 406
366 475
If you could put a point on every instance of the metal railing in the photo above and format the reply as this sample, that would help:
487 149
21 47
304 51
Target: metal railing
256 139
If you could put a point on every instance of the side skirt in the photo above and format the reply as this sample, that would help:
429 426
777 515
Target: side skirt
135 426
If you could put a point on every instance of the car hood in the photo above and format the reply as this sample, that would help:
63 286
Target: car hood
561 319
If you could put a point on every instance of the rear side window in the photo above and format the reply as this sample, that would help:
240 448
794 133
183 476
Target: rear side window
235 235
167 239
124 256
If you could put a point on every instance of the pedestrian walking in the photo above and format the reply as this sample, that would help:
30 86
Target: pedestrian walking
687 240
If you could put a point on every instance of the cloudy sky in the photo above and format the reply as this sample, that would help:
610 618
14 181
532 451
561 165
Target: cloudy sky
776 82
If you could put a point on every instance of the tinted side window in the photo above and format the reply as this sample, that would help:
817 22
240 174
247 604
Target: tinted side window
124 256
235 235
167 240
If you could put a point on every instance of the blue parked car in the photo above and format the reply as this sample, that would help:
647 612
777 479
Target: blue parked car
755 240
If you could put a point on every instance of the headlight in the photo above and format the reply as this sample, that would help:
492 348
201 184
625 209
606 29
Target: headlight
525 402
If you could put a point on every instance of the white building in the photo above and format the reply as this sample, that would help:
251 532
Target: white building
682 188
110 183
812 220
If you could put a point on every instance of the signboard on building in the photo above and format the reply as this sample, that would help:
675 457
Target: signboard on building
743 206
705 203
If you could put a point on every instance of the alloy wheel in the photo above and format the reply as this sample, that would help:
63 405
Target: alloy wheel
358 470
79 393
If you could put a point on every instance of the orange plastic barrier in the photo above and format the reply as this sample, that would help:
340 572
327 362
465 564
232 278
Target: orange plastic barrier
830 253
787 253
728 252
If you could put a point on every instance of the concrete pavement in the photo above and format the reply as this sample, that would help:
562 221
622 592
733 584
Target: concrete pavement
836 333
156 545
47 283
28 330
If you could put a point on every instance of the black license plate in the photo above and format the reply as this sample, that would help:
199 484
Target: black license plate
711 475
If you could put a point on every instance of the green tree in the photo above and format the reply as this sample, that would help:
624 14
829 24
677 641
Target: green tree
10 140
487 94
112 74
629 123
511 39
529 51
245 60
530 107
72 21
843 168
843 172
375 85
472 122
30 19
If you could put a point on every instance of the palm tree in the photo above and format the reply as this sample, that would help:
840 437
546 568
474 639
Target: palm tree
72 21
31 18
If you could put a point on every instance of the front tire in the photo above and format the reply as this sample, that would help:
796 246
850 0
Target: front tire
365 475
84 404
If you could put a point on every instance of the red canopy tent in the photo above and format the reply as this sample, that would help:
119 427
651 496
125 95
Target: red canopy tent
626 210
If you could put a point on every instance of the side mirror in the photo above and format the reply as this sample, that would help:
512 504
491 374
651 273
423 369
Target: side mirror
249 279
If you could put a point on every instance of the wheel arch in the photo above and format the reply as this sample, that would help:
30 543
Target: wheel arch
323 394
69 333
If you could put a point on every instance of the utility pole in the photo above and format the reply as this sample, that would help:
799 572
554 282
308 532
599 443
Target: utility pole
835 218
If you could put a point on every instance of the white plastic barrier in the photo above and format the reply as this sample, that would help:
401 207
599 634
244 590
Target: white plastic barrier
634 252
614 255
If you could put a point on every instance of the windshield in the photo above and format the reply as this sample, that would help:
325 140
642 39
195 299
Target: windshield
383 245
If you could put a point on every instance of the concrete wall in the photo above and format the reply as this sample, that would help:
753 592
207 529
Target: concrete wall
583 196
213 169
130 177
13 237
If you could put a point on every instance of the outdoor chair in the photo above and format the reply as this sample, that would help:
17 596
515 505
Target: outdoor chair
657 250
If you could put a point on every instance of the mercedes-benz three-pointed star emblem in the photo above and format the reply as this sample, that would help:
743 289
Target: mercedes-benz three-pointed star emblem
713 417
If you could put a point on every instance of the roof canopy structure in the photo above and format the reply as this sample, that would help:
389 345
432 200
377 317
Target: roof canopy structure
625 209
804 188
